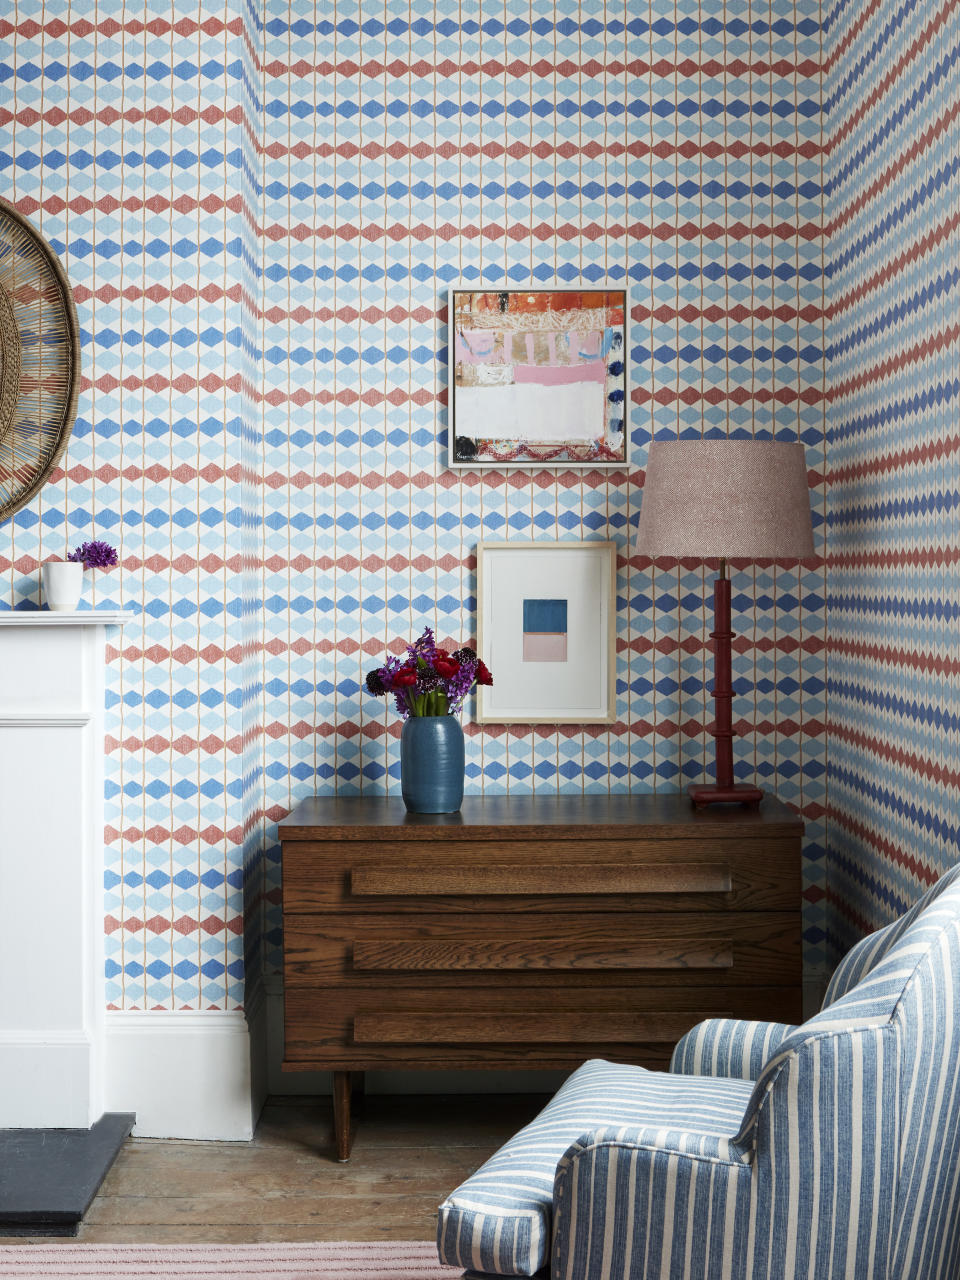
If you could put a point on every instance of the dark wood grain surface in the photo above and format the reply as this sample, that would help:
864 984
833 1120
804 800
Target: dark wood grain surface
366 817
530 931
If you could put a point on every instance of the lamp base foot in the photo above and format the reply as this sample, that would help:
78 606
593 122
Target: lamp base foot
706 793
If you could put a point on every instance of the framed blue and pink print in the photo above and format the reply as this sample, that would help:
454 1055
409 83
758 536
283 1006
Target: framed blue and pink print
538 378
546 630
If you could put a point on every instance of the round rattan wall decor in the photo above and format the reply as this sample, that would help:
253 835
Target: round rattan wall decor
39 360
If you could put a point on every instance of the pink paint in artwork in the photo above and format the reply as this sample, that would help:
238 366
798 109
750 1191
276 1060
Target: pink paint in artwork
544 646
476 346
559 374
589 345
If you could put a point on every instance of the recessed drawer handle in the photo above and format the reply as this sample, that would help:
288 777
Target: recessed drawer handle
504 880
533 1027
543 953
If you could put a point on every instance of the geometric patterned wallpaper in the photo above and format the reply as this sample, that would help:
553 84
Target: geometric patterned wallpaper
408 149
261 214
122 140
892 96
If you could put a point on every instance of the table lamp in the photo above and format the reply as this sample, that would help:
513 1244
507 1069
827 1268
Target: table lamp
725 499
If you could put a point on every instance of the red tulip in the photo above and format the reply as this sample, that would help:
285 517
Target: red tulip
483 674
404 678
445 666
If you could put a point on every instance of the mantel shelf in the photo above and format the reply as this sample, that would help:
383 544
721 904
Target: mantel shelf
48 618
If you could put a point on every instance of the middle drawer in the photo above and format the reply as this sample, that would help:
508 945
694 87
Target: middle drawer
754 949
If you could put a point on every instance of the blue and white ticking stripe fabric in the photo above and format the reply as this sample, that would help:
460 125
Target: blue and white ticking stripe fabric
870 950
841 1161
499 1219
728 1047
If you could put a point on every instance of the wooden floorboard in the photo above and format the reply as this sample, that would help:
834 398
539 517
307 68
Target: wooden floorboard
408 1154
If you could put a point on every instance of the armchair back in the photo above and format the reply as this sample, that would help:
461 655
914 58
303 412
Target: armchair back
859 1109
869 951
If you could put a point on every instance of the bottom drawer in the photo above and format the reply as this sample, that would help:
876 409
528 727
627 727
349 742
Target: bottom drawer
360 1029
522 1026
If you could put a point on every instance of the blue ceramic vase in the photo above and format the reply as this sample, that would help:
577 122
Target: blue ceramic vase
431 764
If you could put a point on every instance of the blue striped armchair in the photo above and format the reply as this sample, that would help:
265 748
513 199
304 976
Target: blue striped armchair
829 1151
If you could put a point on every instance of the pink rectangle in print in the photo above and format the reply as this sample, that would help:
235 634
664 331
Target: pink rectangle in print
544 646
559 375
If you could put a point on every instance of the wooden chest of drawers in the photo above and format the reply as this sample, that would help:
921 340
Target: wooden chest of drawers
530 931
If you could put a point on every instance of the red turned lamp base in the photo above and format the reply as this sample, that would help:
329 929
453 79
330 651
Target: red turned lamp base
704 793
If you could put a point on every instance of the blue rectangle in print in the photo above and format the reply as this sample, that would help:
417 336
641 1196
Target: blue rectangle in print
544 631
545 615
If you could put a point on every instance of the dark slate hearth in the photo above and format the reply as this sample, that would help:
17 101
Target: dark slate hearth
49 1176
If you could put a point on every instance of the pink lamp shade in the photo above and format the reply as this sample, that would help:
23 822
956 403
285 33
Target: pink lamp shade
735 499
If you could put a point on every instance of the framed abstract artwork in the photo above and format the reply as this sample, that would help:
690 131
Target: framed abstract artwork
546 629
538 378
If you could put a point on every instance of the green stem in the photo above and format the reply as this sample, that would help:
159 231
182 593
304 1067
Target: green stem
441 703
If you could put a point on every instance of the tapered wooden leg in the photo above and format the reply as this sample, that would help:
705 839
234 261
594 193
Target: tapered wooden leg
341 1113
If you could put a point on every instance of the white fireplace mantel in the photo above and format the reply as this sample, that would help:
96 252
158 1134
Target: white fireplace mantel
78 618
51 866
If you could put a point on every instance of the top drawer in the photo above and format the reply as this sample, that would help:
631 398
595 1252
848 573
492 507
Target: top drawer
506 876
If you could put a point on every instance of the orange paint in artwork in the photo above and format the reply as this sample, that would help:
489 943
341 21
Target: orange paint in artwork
538 302
530 303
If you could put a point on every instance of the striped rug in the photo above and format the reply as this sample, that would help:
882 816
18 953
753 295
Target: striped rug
400 1260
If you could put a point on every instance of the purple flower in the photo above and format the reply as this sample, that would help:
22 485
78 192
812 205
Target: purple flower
403 706
375 683
459 686
95 555
425 647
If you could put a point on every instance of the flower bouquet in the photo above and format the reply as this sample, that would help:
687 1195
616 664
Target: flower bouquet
429 686
429 681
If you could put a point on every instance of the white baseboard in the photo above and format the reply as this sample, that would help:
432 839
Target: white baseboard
184 1075
46 1080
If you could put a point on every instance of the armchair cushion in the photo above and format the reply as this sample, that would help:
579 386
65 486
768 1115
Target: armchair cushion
728 1047
498 1221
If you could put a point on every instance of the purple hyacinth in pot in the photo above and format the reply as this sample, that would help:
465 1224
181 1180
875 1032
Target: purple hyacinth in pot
95 555
429 686
63 579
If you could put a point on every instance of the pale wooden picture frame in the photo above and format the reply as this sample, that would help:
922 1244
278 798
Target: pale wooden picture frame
546 628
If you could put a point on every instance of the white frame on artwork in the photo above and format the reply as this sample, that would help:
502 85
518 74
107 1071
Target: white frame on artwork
536 464
579 690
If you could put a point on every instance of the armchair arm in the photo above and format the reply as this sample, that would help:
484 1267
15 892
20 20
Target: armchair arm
644 1203
728 1047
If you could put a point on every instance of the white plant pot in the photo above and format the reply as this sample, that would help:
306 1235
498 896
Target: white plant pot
62 584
